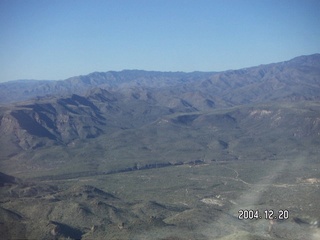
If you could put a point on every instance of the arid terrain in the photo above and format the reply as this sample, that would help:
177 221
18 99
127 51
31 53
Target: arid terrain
163 155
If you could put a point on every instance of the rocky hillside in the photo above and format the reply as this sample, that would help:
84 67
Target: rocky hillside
136 98
138 155
296 78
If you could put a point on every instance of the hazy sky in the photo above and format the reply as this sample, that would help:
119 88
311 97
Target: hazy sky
57 39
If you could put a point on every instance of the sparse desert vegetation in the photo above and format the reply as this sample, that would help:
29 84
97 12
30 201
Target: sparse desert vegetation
149 155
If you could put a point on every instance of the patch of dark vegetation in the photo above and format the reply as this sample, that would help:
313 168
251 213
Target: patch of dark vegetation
210 103
93 191
9 215
155 165
196 162
224 144
143 167
300 221
64 230
6 179
172 238
186 119
66 176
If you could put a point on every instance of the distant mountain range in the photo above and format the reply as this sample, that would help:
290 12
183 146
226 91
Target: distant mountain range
292 79
21 90
211 112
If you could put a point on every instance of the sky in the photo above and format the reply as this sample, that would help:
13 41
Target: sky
57 39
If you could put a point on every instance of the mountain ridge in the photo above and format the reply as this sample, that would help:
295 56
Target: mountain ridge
13 91
139 101
151 155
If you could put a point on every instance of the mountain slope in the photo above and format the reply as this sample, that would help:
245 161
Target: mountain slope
21 90
151 155
296 78
170 117
254 132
